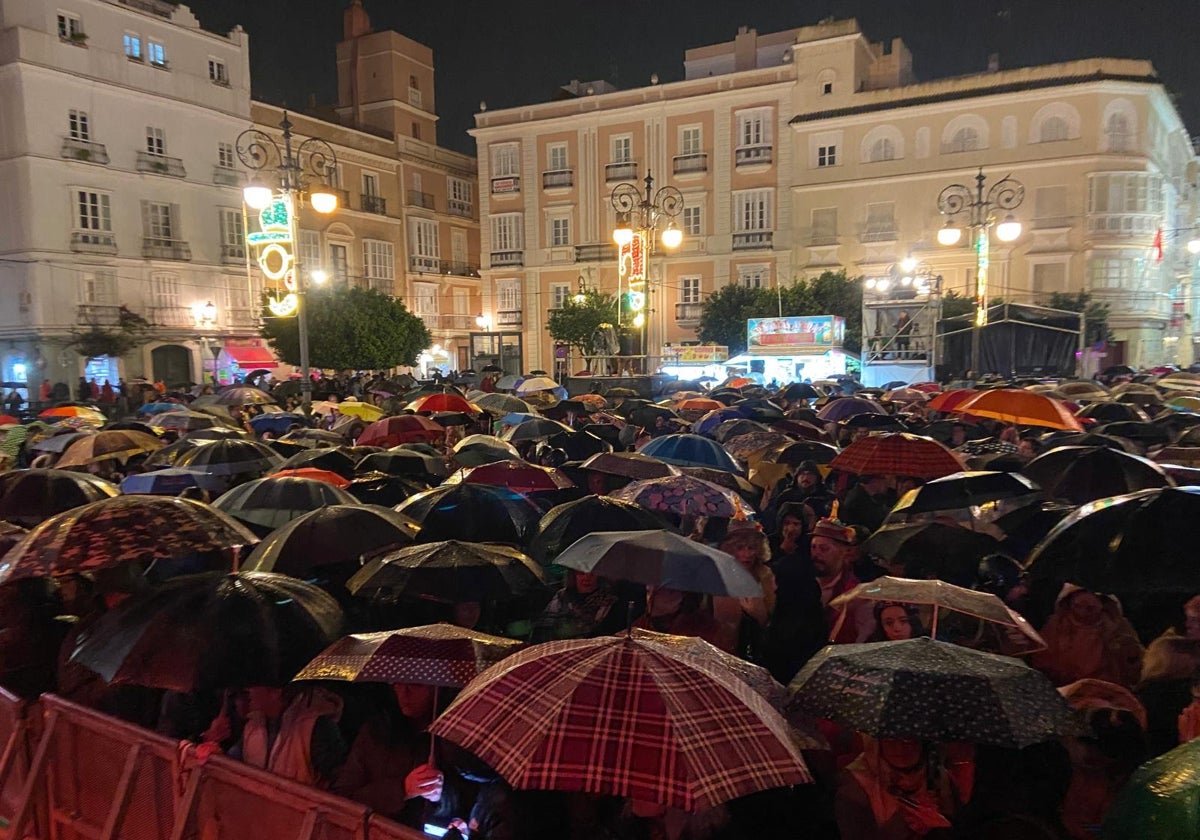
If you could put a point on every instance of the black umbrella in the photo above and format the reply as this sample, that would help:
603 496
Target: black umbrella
492 369
218 433
128 426
30 497
578 445
230 457
1144 434
212 631
1056 439
566 523
607 432
333 460
450 571
376 488
171 453
404 462
795 454
1113 412
334 536
271 502
965 490
799 391
933 550
315 438
474 512
874 423
758 408
1082 474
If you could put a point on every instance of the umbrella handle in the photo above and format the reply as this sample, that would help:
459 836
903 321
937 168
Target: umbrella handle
432 737
833 634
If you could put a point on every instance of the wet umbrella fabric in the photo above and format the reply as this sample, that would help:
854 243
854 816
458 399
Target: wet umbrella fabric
123 529
1083 474
168 482
315 474
1161 800
406 428
229 457
690 451
930 690
685 495
212 631
333 460
474 450
534 428
518 476
450 571
104 445
330 536
847 407
747 447
403 462
278 424
795 453
933 550
242 395
963 491
500 404
472 512
579 445
729 429
186 421
376 488
563 524
632 465
897 454
1022 408
30 497
273 502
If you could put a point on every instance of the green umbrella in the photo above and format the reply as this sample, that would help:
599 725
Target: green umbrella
1161 801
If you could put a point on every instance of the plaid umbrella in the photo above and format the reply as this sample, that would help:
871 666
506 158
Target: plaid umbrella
406 428
745 447
930 690
519 476
272 502
30 497
1021 408
690 451
684 495
229 457
106 445
624 716
450 571
897 453
123 529
337 535
433 654
564 524
633 465
243 395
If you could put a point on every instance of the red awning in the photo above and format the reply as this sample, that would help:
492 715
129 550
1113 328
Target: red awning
251 355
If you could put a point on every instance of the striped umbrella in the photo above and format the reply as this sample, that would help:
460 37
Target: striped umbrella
229 457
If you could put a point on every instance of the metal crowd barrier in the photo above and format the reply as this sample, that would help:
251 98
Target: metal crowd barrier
93 777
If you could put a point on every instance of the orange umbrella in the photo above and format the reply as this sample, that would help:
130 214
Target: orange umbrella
948 400
699 404
9 420
315 474
81 411
1021 408
738 382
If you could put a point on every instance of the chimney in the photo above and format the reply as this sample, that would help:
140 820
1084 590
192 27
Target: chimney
993 62
355 22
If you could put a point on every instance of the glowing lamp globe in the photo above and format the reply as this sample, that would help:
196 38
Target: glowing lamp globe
323 201
1193 245
949 235
622 234
1008 230
257 196
672 237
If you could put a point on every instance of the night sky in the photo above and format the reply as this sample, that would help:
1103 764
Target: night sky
519 52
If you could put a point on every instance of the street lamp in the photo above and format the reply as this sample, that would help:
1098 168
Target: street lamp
206 318
292 166
642 217
979 211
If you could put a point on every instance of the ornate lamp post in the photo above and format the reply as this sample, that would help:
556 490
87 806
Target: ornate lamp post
279 255
642 216
979 210
206 318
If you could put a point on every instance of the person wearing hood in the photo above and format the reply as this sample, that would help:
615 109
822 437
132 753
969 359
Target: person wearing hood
1087 637
582 608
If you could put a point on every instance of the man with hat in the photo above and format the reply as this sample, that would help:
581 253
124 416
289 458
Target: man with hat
835 550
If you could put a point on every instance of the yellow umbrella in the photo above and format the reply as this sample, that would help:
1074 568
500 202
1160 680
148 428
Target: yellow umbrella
361 410
1185 402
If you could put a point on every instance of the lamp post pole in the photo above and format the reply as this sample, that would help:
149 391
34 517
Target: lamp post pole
979 208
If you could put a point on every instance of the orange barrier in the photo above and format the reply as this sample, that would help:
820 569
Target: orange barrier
14 755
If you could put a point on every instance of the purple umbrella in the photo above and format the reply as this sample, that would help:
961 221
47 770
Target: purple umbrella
709 422
845 407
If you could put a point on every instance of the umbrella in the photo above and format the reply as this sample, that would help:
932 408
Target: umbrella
509 382
499 404
1140 543
660 558
536 383
646 416
107 445
1144 434
517 418
122 529
1161 800
432 654
405 428
472 512
874 423
1021 408
280 423
321 438
745 447
272 502
315 474
578 445
930 690
624 716
1087 388
1113 412
376 488
519 476
446 401
708 423
897 453
329 459
1082 474
474 450
690 451
732 428
844 408
212 631
81 412
949 400
222 432
563 524
794 453
229 457
905 396
702 404
684 495
403 462
535 428
363 411
963 491
933 550
450 571
30 497
632 465
186 421
243 395
978 620
338 535
57 443
167 482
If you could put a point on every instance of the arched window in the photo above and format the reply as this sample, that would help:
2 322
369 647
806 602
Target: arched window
883 149
825 80
882 143
1054 129
966 139
1118 132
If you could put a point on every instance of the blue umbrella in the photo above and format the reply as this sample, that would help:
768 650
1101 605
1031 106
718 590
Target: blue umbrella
516 418
278 423
709 422
691 451
168 482
159 407
846 407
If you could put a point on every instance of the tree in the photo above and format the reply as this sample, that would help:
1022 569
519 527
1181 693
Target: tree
955 305
350 329
576 323
831 293
1095 314
724 314
115 340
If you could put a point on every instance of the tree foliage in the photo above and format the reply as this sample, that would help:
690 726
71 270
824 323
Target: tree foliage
112 340
955 305
1095 314
350 329
576 323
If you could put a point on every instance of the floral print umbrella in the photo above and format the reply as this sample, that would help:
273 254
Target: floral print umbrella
686 496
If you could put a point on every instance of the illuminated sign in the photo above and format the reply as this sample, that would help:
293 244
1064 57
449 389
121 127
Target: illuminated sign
275 255
806 333
631 260
696 354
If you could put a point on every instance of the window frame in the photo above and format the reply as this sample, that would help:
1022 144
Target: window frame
153 47
620 148
379 262
691 288
507 232
226 155
754 210
557 151
507 153
754 128
827 156
424 242
79 125
156 136
686 134
692 227
68 25
101 201
218 71
559 230
759 272
132 43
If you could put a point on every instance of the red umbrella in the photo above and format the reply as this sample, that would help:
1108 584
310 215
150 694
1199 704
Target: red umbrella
406 428
949 400
518 476
315 474
897 453
1021 408
441 402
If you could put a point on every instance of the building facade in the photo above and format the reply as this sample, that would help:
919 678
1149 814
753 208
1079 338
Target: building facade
814 149
117 125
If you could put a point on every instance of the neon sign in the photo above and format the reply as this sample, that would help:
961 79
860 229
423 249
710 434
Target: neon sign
275 256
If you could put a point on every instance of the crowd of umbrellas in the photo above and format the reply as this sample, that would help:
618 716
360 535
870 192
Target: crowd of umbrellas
415 537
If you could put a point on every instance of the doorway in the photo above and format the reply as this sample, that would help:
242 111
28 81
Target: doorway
171 364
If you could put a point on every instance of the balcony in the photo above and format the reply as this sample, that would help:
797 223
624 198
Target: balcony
687 164
503 186
878 233
1123 224
241 317
509 318
820 239
502 258
688 313
374 204
84 150
415 198
160 165
387 285
234 253
227 176
602 252
433 265
458 207
98 314
154 248
558 179
171 316
624 171
752 155
93 242
753 240
454 322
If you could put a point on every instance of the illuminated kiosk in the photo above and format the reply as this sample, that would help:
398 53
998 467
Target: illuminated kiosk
900 312
793 349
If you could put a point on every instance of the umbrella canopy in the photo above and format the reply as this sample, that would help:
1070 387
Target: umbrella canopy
1085 388
81 412
474 450
329 459
708 423
624 716
431 654
472 512
107 445
450 571
212 631
57 443
579 445
361 410
319 438
933 550
376 488
168 482
221 432
897 453
632 465
403 462
949 400
978 620
746 447
534 428
405 428
122 529
229 457
930 690
498 404
1022 408
186 421
690 451
536 383
795 453
160 407
272 502
660 558
1082 474
1113 412
1143 434
732 428
30 497
1161 800
563 524
844 408
338 535
684 495
702 404
963 491
448 401
315 474
243 395
518 476
280 423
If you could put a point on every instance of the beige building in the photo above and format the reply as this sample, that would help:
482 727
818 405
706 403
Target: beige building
814 149
406 222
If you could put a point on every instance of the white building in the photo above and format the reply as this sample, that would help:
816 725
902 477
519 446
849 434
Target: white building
117 165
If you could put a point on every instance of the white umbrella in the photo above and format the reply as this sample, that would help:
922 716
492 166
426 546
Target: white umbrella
536 383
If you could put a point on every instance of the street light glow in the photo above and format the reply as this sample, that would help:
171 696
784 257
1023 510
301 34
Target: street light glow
324 201
1009 229
318 276
257 196
949 234
672 237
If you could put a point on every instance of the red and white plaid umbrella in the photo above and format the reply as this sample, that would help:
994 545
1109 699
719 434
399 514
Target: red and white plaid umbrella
897 453
624 716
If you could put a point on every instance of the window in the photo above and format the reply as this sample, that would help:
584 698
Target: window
964 140
508 295
225 155
752 210
689 289
425 299
825 80
70 27
1125 192
1053 130
824 226
379 264
826 155
560 231
339 264
158 221
78 126
881 222
93 213
560 293
506 232
164 290
826 88
333 175
1049 278
1050 207
156 54
621 149
156 141
412 83
1113 272
754 276
754 128
883 149
461 194
133 47
416 130
692 224
691 140
98 288
233 238
370 184
505 161
426 251
458 251
309 251
217 73
1118 132
556 157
